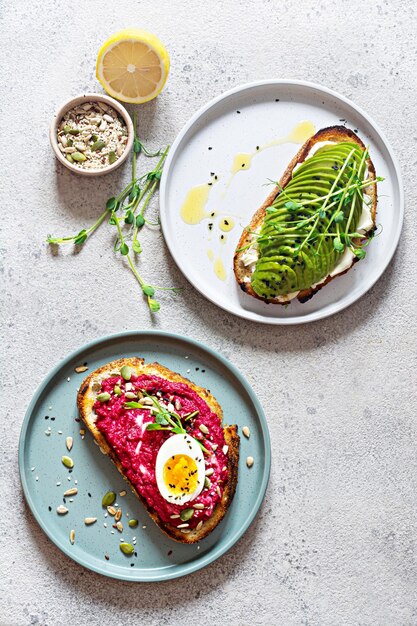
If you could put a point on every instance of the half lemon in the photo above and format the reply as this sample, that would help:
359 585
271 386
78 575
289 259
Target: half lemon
133 66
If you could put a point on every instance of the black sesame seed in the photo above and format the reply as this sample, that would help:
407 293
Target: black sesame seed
89 494
209 184
276 99
49 508
53 419
169 552
257 147
237 111
210 148
196 369
203 371
77 419
70 471
211 173
47 417
132 565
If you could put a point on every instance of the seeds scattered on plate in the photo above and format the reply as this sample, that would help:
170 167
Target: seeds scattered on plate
108 500
67 461
249 461
246 431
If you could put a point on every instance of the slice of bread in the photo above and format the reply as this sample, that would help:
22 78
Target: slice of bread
87 397
334 134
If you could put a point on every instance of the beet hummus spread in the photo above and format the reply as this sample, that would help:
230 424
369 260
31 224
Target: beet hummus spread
125 430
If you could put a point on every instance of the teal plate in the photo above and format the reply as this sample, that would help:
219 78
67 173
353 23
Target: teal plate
45 479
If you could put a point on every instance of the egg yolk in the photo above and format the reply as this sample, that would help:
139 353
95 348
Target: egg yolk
180 474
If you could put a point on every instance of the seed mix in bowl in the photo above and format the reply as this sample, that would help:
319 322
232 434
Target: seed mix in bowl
92 135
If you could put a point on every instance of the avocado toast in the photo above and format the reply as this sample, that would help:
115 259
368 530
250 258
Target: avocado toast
314 224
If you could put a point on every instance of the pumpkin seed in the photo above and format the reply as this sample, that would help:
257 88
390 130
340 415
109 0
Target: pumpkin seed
74 131
246 431
62 510
126 372
127 548
186 514
103 397
69 442
133 523
67 461
78 156
117 390
112 157
69 158
98 145
72 537
207 482
89 520
108 499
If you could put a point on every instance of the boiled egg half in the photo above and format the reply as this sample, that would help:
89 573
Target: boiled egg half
180 469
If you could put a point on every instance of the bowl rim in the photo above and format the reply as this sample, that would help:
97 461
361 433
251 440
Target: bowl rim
80 99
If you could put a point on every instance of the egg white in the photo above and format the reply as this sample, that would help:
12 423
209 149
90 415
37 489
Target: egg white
179 444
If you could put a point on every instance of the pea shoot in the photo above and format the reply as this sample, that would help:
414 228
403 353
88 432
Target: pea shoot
126 212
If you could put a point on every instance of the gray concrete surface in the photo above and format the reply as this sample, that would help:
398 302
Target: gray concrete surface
335 542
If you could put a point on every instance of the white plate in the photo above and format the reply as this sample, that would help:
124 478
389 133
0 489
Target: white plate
268 110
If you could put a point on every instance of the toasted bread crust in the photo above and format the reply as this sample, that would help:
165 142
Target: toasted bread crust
85 400
332 133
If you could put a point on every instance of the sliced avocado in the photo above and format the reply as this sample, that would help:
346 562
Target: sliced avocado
289 259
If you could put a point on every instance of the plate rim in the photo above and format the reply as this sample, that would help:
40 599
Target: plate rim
281 82
184 568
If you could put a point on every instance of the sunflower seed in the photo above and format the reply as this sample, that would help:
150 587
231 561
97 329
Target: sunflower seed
111 510
72 537
249 461
119 527
80 369
246 431
204 429
174 516
118 515
183 525
210 472
199 506
71 492
89 520
225 449
199 525
62 510
69 441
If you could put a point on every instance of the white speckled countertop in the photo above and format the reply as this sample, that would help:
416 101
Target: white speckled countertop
335 541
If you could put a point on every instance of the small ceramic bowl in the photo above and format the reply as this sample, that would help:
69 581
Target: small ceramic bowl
91 97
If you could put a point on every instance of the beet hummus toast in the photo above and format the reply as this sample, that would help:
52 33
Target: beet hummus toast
316 222
166 438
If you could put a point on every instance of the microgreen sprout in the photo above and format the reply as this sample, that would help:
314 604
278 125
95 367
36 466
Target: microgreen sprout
164 418
127 211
